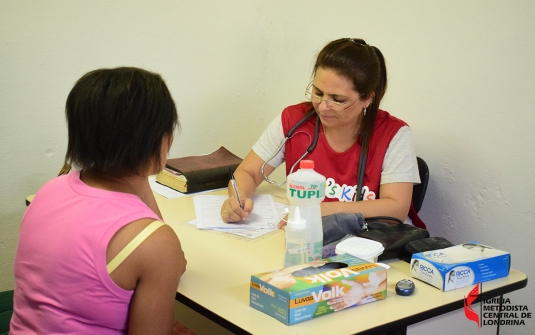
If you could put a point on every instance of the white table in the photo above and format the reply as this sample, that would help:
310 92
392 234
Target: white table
214 291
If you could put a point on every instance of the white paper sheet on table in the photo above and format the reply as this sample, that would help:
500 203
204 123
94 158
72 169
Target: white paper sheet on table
282 210
208 209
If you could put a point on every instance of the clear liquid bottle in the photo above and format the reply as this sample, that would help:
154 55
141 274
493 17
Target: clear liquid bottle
295 251
306 190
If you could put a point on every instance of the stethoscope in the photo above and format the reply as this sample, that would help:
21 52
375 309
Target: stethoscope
311 147
289 135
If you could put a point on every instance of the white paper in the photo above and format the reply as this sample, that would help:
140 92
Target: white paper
208 209
282 210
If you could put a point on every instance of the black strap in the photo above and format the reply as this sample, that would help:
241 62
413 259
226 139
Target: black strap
316 135
360 173
358 192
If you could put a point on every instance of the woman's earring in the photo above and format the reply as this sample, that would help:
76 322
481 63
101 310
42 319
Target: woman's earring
365 111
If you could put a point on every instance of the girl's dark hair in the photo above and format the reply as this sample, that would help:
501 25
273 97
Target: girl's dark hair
117 120
364 66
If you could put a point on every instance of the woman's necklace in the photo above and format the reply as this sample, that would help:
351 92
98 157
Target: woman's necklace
357 130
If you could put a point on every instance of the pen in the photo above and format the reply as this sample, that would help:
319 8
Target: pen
235 186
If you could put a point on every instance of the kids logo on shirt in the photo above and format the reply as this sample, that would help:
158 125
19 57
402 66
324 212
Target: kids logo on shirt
345 193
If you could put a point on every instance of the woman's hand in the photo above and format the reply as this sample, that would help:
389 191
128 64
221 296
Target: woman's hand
248 177
232 212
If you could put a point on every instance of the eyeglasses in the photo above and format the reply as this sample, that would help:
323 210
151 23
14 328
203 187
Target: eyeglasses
336 106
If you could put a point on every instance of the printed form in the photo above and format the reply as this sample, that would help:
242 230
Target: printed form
262 220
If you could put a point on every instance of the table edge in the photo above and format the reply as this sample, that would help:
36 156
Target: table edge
385 328
396 325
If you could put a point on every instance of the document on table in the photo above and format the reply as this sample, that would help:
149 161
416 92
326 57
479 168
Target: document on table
208 209
262 220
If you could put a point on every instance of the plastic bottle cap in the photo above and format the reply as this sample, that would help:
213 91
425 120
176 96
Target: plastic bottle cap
306 164
297 222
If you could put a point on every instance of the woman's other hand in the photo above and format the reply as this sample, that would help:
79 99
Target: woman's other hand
282 223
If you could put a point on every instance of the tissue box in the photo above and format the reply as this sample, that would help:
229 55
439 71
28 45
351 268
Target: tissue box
460 265
307 291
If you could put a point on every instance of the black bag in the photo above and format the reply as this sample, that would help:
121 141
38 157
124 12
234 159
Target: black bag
393 237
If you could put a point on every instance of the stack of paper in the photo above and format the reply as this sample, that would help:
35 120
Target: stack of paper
263 219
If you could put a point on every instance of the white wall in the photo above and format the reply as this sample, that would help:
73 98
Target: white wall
461 73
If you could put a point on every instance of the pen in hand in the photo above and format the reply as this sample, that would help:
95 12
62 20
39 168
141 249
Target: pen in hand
235 186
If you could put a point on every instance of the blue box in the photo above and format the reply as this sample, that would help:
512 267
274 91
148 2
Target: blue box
307 291
460 265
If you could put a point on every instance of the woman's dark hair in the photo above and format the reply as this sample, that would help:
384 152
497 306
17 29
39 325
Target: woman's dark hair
364 66
117 120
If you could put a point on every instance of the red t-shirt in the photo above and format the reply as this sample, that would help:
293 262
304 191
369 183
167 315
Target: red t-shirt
340 168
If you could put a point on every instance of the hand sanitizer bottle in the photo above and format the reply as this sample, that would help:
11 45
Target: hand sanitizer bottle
295 251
